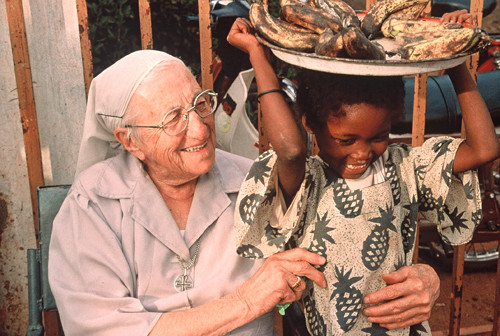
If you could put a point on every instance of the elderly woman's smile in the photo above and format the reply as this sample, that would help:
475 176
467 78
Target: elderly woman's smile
195 148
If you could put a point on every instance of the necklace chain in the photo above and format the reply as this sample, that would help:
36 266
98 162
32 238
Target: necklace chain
184 281
193 258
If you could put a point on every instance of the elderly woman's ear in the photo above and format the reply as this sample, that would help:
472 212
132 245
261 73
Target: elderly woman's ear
123 137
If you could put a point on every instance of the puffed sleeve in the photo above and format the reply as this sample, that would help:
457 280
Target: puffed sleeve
256 235
91 280
453 201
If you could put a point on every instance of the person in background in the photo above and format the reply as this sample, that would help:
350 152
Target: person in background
356 203
144 242
460 16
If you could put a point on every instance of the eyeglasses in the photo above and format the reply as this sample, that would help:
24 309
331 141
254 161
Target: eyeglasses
175 121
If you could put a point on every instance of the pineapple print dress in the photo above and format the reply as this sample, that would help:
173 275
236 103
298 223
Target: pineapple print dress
362 233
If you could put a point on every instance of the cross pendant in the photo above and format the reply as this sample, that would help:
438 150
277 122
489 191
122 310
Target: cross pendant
183 282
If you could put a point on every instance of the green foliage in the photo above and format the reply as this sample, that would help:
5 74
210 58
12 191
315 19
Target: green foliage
114 30
174 33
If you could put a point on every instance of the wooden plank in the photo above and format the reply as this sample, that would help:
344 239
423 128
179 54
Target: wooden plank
52 323
481 330
418 132
427 10
496 314
55 55
278 323
419 101
145 23
83 24
47 33
476 10
17 229
22 69
456 290
207 80
459 251
369 3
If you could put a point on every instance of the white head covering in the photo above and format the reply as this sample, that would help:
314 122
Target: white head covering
108 99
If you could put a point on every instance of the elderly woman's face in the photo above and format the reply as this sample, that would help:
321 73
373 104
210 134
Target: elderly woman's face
179 158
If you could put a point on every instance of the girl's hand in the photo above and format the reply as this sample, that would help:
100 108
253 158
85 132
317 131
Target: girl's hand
274 282
459 16
242 37
407 300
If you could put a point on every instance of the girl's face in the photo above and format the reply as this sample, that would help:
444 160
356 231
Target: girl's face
350 144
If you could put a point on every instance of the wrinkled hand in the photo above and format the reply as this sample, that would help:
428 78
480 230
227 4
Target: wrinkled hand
272 283
459 16
242 37
408 298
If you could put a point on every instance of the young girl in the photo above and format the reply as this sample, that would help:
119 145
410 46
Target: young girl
356 202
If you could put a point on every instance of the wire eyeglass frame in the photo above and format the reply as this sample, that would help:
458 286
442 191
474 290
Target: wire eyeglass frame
180 116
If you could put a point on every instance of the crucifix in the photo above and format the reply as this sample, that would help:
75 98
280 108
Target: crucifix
183 282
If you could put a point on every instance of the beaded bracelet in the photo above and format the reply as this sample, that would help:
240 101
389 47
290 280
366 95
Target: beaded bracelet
268 91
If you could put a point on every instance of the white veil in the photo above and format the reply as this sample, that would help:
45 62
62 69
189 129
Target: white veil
109 97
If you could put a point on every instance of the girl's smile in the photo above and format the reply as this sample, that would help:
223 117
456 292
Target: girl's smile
357 169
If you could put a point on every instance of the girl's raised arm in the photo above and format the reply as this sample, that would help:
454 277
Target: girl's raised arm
481 144
279 121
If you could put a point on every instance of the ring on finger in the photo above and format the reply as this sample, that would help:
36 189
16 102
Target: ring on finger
297 283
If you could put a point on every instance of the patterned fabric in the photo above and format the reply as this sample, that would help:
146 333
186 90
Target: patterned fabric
362 233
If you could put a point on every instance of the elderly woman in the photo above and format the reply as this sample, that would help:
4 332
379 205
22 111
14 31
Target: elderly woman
143 244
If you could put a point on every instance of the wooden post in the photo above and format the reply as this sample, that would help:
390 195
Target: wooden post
83 24
52 323
418 132
456 290
26 98
369 3
496 306
207 79
419 101
145 22
476 8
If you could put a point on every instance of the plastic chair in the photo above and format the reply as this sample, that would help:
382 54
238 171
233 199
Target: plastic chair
40 296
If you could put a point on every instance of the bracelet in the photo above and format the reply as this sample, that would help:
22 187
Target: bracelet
268 91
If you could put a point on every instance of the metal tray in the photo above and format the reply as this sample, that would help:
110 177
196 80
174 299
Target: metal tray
349 66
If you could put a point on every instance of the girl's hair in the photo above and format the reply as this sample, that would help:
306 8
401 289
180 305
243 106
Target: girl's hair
321 95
